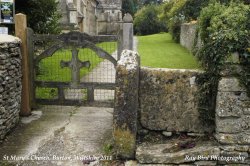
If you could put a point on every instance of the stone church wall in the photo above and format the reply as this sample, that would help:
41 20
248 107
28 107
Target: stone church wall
10 83
109 22
91 16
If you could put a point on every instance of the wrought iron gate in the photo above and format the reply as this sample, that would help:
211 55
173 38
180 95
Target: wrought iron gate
73 69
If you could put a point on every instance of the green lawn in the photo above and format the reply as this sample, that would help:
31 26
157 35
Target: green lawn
160 51
50 69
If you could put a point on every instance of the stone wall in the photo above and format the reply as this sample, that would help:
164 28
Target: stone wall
108 22
10 83
188 36
168 101
168 108
109 17
233 119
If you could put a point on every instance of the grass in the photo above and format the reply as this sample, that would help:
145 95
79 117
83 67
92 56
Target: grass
50 69
160 51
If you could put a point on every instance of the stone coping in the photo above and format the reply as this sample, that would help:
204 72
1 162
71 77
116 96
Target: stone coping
8 39
177 70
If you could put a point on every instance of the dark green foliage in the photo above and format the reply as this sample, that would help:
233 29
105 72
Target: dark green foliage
147 21
192 8
224 30
208 86
148 2
173 15
42 15
177 12
132 6
129 6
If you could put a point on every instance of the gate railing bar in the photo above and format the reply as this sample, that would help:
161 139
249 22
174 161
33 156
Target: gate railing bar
95 85
68 102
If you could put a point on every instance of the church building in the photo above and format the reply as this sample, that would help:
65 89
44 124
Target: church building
91 16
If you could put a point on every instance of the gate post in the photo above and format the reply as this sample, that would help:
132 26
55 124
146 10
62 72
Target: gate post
20 30
126 35
30 46
126 105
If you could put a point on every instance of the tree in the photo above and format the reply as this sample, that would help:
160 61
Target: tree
147 2
42 15
132 6
147 21
129 6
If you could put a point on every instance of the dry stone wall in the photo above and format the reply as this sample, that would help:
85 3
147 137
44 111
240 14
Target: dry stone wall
233 120
10 83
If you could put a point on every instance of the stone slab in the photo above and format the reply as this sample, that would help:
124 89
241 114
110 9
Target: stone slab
229 85
159 153
168 100
241 138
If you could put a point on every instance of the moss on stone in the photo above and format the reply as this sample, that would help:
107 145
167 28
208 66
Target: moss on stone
124 143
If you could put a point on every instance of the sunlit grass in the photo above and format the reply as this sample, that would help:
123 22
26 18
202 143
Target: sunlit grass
160 51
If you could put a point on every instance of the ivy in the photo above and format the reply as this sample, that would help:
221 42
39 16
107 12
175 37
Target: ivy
224 29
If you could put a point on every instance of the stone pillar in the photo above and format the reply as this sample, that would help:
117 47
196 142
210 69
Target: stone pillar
126 105
232 113
10 83
233 116
126 35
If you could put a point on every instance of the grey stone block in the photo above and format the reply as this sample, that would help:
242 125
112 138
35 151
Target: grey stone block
229 125
241 138
228 105
160 154
168 100
230 85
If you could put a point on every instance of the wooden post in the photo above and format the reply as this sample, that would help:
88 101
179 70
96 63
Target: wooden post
90 94
20 29
30 47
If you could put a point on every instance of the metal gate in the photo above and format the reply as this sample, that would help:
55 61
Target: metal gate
73 69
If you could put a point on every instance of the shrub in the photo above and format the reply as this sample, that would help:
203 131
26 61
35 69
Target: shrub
42 16
192 8
176 12
172 13
224 30
147 21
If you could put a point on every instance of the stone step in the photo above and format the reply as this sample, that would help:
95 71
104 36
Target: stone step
170 154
